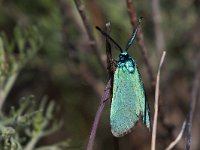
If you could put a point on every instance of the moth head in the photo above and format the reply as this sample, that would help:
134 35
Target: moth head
123 57
127 62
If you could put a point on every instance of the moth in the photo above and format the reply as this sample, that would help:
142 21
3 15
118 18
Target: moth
129 102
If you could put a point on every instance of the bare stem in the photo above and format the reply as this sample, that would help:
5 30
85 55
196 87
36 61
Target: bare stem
32 142
67 16
107 92
153 142
83 71
178 138
8 86
110 67
194 97
140 39
88 27
98 115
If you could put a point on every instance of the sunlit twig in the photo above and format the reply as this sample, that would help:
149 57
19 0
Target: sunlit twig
178 138
153 142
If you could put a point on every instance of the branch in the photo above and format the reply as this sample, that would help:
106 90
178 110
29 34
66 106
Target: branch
32 142
107 92
88 27
82 70
194 97
140 39
178 137
98 115
110 67
8 86
85 73
153 141
67 16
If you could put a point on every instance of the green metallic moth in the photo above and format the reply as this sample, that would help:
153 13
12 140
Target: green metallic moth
129 102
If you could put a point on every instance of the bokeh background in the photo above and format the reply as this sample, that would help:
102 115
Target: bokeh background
67 70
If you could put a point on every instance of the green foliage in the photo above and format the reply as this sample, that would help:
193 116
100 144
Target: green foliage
9 142
26 125
15 54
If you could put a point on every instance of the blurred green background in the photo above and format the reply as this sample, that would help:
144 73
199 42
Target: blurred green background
67 71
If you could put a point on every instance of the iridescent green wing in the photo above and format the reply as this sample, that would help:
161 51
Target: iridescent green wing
124 107
139 88
128 102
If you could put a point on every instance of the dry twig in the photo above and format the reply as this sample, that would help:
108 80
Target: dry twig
110 67
98 115
194 97
107 93
153 142
81 69
89 30
178 138
140 39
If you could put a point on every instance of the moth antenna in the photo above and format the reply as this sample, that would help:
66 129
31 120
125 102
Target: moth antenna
106 35
133 35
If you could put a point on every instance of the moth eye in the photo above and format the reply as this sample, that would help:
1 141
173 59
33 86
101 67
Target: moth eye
130 66
130 69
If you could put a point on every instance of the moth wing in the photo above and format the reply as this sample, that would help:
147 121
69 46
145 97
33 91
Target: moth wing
141 97
128 102
124 106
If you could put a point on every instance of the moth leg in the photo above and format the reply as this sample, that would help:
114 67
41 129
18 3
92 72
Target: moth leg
107 99
114 61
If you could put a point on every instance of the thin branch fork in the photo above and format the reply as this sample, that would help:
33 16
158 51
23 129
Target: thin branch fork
140 39
88 27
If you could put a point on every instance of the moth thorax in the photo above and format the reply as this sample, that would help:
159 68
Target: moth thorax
126 62
124 57
130 66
